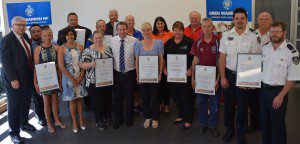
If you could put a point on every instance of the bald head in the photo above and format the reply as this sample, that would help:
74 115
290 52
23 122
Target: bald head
130 21
195 18
264 20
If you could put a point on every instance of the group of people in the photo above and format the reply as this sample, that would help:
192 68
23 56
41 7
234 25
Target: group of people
75 65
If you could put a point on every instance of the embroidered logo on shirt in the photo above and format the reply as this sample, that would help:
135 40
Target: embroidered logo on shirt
184 47
230 38
296 60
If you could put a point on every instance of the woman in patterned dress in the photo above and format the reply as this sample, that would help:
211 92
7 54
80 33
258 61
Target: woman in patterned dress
73 83
100 96
43 54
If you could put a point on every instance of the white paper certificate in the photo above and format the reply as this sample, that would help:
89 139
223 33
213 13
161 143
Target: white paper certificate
47 76
205 78
104 72
148 69
80 36
176 65
248 70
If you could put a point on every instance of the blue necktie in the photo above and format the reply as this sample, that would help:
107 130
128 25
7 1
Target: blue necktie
122 62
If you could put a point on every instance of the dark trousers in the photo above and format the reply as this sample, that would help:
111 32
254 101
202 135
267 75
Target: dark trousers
183 96
243 99
164 95
38 105
18 108
123 89
272 120
202 101
230 101
150 99
101 101
254 110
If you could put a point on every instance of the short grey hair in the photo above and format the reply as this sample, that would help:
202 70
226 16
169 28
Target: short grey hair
206 20
17 19
114 10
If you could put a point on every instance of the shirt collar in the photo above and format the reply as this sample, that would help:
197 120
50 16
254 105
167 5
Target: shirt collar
125 39
18 36
259 34
283 44
213 39
247 31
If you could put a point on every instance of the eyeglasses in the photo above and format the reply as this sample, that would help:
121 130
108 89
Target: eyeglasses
20 25
275 32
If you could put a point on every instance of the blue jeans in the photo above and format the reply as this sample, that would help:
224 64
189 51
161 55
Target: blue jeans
210 121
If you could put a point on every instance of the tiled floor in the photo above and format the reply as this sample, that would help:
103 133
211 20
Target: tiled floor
165 134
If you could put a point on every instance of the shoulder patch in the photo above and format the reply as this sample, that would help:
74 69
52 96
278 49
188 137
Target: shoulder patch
291 48
296 60
266 43
252 30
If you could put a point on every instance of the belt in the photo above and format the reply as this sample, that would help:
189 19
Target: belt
267 86
230 71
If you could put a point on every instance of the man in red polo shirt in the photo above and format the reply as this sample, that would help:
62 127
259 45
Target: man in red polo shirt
205 51
194 29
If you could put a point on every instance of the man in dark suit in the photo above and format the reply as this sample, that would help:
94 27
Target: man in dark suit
17 76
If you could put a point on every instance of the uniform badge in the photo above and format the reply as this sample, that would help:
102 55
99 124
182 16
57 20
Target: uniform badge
296 60
258 40
230 38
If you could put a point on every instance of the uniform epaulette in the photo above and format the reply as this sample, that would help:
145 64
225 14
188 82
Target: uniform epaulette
266 43
291 48
252 30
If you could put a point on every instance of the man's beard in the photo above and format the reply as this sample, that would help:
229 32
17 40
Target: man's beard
278 40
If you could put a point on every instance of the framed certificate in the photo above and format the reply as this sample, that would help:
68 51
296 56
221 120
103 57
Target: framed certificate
47 76
205 78
176 65
80 36
248 70
148 69
104 72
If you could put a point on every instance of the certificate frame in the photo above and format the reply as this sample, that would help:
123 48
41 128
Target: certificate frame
148 69
205 78
177 68
249 69
104 72
46 74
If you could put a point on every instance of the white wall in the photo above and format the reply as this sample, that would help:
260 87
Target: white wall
89 11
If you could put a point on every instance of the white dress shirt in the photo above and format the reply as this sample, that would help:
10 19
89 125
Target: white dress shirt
232 44
261 39
276 69
20 40
129 58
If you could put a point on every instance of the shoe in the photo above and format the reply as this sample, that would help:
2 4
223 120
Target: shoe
107 122
202 130
147 123
215 132
28 127
251 129
185 127
61 125
17 139
129 124
116 125
154 124
138 109
82 127
242 139
42 122
228 136
75 130
175 122
51 129
101 125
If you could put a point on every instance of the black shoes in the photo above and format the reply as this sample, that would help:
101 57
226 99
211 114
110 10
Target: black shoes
215 132
28 127
116 125
129 124
228 136
17 139
202 130
101 125
175 122
242 139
